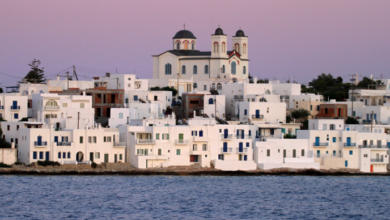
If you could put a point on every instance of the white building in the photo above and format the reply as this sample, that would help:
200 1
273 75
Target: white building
13 106
335 147
64 111
261 112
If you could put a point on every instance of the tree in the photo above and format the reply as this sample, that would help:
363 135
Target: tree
305 125
3 143
300 113
288 119
36 74
351 121
250 78
1 90
263 81
166 88
367 81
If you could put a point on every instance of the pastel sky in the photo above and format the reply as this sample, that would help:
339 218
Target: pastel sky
292 38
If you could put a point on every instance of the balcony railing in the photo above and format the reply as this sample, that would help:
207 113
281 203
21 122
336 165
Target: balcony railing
51 107
146 141
227 136
257 117
15 107
119 144
320 144
243 137
238 97
377 160
181 141
243 150
349 144
197 138
368 121
227 150
374 146
1 107
42 144
64 143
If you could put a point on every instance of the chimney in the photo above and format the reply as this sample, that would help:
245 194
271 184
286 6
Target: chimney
83 93
58 77
254 80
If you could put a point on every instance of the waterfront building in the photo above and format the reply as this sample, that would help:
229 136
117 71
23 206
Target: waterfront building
13 106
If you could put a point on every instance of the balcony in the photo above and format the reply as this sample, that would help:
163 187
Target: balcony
378 160
197 150
238 97
243 137
257 117
42 144
368 121
15 108
320 144
242 151
349 144
64 143
374 146
227 137
199 139
120 144
145 141
227 150
181 142
51 108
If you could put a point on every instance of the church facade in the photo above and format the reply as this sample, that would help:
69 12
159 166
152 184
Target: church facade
184 61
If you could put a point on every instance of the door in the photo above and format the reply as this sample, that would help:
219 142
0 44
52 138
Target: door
91 156
225 133
181 136
225 147
294 153
240 147
284 153
348 141
317 141
346 163
146 163
115 158
372 168
105 158
39 141
56 139
245 157
47 156
14 104
318 153
242 134
257 113
375 118
365 143
200 133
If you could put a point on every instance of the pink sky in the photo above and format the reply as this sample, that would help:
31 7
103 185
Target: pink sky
300 38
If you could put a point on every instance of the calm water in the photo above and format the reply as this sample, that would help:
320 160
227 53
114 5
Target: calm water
171 197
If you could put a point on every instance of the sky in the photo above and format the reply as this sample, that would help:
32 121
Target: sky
296 39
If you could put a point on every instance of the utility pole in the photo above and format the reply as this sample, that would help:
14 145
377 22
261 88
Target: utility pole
67 78
78 120
74 72
353 91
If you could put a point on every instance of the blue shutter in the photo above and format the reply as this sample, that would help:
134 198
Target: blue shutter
59 155
200 133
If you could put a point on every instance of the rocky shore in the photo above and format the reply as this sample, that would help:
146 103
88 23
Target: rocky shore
127 169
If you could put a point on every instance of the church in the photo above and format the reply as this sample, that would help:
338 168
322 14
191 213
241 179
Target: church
184 61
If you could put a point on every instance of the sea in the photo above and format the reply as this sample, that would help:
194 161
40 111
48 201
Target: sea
194 197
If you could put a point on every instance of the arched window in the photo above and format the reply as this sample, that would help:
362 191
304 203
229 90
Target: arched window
206 69
168 69
183 69
219 86
244 48
267 91
234 68
193 45
244 70
216 47
195 70
223 69
178 45
237 48
211 101
51 103
223 47
186 46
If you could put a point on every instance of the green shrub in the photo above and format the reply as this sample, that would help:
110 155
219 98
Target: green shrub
48 163
5 165
93 165
18 163
290 136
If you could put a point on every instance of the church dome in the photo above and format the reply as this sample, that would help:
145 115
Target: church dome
184 34
240 33
218 31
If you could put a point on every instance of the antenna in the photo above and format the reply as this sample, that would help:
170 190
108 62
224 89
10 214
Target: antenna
74 72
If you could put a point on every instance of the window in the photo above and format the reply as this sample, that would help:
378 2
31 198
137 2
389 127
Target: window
334 139
157 136
193 45
64 105
244 49
206 69
34 155
68 155
178 45
223 68
302 152
204 87
185 45
41 155
94 139
247 144
82 105
326 110
204 147
97 155
195 69
183 69
59 155
64 155
350 152
268 152
233 68
168 69
237 48
135 98
334 153
8 127
120 115
89 139
211 101
245 112
127 100
244 70
16 116
219 86
216 47
120 157
177 151
81 139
